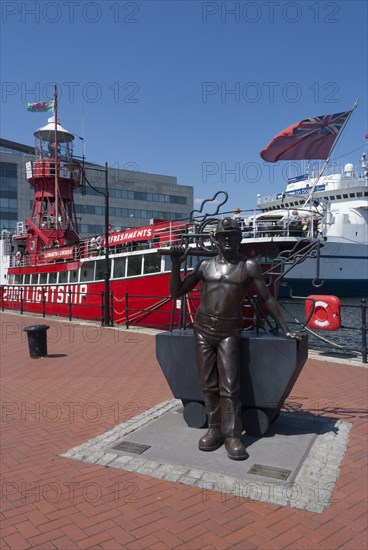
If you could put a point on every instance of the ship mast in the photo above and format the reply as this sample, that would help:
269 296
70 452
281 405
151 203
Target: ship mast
56 205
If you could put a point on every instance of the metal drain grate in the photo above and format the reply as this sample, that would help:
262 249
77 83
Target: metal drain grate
269 471
128 447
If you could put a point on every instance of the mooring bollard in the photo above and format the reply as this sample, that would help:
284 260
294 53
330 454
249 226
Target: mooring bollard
37 340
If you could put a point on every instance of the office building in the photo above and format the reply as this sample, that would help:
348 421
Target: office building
135 197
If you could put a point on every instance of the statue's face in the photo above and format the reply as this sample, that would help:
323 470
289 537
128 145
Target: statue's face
228 242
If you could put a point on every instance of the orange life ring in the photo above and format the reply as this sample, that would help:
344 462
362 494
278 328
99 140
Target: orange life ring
324 312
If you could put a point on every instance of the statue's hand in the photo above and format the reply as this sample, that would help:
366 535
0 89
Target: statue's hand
178 254
294 336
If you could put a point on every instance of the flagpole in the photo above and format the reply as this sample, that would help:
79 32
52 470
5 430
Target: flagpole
56 163
330 153
84 143
338 137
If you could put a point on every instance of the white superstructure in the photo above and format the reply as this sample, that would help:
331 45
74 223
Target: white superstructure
5 255
339 204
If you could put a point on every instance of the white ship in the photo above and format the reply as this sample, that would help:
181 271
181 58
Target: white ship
336 206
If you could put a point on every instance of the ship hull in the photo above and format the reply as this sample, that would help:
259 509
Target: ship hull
343 272
139 300
351 288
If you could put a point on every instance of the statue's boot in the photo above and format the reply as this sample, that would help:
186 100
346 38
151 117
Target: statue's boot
212 440
235 448
231 428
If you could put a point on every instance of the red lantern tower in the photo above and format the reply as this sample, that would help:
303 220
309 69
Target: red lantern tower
53 222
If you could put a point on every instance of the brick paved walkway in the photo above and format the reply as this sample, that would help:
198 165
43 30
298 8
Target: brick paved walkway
96 378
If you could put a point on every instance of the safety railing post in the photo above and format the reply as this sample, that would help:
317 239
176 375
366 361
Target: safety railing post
21 300
102 308
112 309
43 302
126 310
70 304
364 330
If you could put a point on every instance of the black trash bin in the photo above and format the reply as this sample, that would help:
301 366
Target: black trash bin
37 340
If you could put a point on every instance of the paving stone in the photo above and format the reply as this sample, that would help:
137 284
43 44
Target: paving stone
320 463
37 453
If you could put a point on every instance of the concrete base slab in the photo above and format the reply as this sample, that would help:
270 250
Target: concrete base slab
296 464
171 441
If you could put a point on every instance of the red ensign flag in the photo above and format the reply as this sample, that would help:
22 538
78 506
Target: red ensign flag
311 138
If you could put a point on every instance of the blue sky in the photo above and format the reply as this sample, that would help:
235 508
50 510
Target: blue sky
190 89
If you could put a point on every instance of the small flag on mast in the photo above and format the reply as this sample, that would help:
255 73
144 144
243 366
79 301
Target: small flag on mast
41 107
312 138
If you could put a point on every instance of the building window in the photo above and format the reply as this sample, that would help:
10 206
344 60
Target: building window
138 195
8 171
8 195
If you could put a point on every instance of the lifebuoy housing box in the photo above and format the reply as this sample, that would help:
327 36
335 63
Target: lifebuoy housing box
324 312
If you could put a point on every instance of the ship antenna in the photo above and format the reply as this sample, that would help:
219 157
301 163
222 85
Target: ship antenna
330 153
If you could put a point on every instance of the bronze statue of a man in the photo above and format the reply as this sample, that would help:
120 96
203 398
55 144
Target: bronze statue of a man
217 327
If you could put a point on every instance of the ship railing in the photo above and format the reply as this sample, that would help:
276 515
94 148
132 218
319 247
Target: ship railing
171 235
166 236
45 167
309 223
287 259
349 341
129 314
350 183
340 342
275 223
337 185
162 237
267 198
79 251
20 260
6 236
21 228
